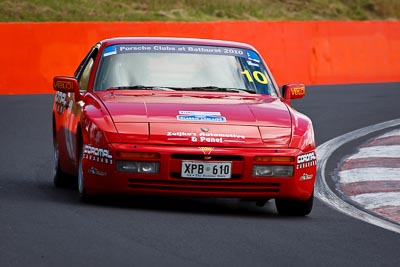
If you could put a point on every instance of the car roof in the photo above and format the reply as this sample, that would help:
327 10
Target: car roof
174 40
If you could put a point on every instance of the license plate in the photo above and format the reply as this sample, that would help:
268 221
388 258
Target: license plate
206 170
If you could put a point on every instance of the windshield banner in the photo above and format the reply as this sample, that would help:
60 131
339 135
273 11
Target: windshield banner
173 48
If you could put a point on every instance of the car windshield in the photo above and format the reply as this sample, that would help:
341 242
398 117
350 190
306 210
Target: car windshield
182 67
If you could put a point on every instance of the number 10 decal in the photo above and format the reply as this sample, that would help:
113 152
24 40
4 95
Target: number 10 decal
257 75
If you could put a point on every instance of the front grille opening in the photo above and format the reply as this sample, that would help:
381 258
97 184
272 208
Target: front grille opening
177 175
201 157
203 186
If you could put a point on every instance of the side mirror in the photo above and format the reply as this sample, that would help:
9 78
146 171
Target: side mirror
67 84
293 91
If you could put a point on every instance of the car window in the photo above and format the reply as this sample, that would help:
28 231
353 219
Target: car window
84 79
82 73
178 67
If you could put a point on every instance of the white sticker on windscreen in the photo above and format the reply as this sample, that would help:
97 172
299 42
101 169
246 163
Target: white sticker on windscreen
252 58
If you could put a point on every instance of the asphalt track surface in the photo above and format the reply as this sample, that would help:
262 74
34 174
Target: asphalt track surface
45 226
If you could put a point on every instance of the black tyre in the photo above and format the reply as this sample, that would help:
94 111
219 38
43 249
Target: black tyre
60 179
83 195
290 207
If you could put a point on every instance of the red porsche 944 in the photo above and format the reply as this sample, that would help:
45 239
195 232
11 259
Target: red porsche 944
182 117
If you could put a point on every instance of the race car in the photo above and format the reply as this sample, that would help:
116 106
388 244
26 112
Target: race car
182 117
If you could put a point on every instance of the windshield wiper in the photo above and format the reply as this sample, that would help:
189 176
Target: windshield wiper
139 87
221 89
195 88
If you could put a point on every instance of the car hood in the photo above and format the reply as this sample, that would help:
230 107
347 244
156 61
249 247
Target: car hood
214 118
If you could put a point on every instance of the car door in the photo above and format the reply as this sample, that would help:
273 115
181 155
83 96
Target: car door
74 110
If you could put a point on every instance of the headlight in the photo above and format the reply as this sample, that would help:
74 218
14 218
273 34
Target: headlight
138 166
272 170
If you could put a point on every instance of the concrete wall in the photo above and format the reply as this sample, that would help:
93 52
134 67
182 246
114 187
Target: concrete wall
315 52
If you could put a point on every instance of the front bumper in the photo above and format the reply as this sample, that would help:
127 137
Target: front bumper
101 175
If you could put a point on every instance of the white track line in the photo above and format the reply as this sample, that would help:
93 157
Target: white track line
369 174
377 152
325 194
390 134
377 200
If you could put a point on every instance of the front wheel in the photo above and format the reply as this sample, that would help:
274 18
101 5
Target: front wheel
60 179
83 195
290 207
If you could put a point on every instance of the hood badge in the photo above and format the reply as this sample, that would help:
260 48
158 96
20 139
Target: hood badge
204 129
207 152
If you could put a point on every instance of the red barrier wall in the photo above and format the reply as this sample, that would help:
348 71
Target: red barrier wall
316 52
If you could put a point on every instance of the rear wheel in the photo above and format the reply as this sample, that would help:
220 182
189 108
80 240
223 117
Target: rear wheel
290 207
